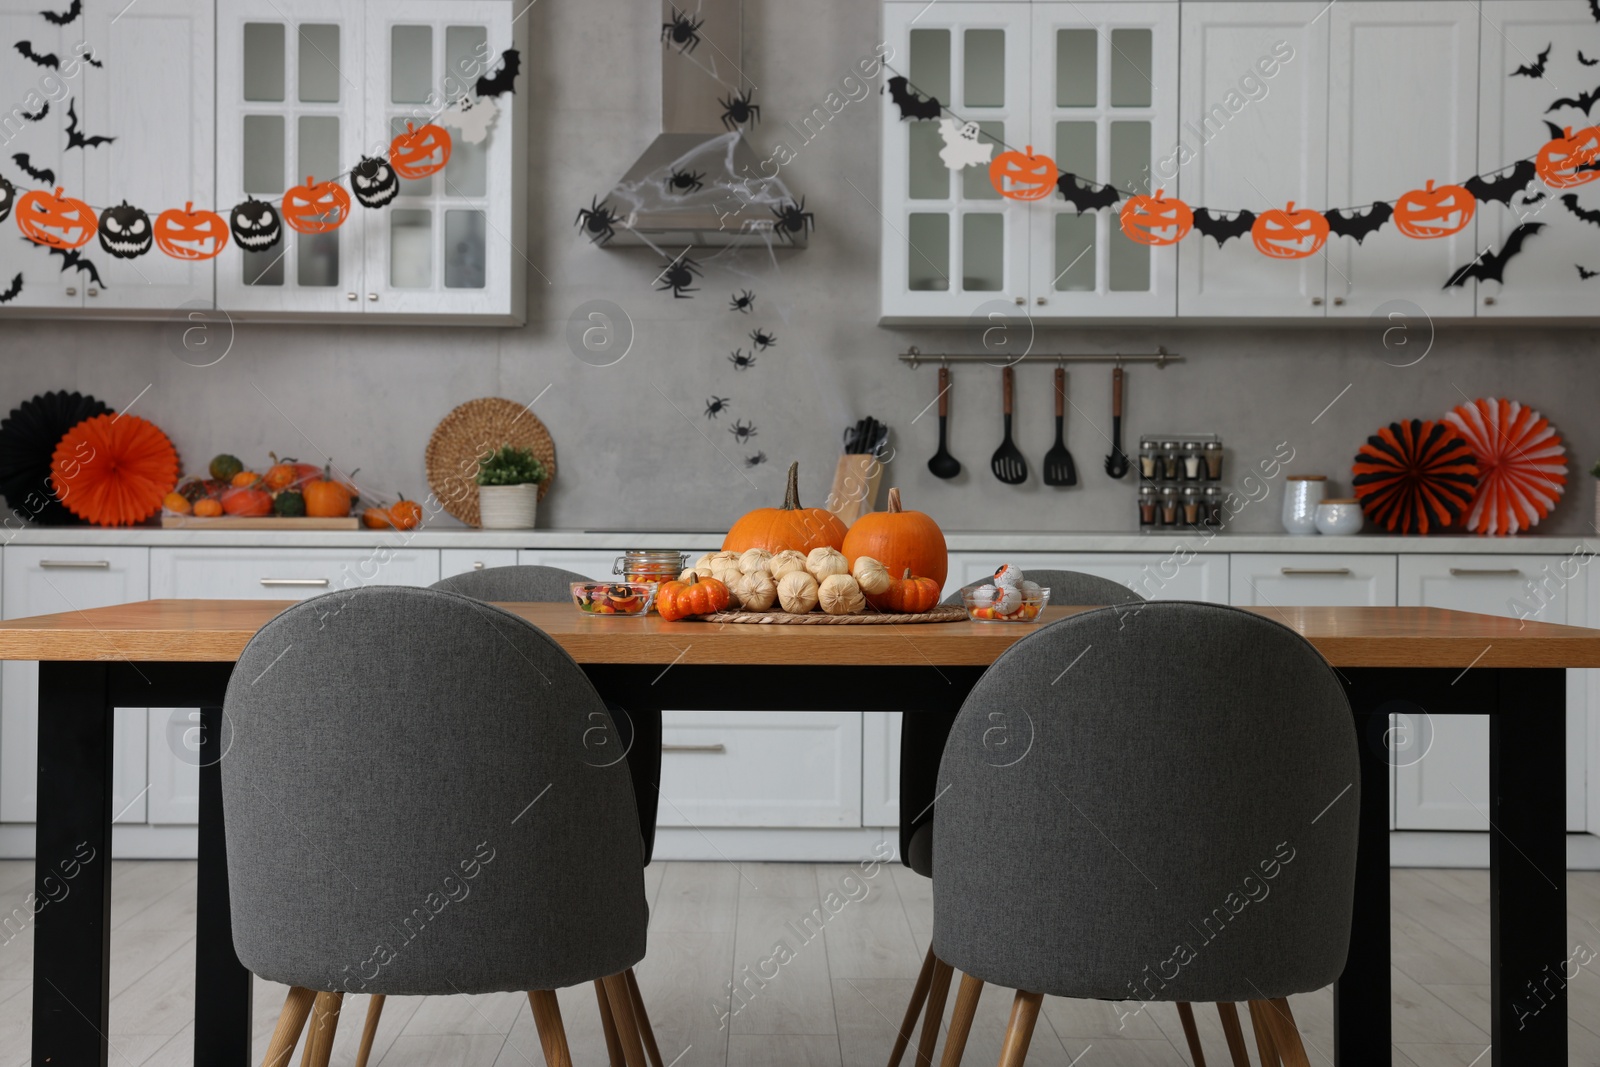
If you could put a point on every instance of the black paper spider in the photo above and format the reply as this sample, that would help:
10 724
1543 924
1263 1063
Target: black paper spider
597 220
738 110
677 275
684 181
793 218
741 361
742 431
762 339
716 405
755 460
682 31
743 301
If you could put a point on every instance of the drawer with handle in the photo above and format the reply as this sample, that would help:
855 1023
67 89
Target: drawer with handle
1306 579
286 573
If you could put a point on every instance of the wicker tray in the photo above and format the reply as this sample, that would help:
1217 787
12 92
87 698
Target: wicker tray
466 435
943 613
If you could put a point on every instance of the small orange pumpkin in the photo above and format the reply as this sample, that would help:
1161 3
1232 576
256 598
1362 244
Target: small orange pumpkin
326 498
1561 161
907 595
1284 233
697 596
247 502
376 518
207 508
1154 220
418 153
900 540
285 473
405 514
787 526
55 221
1023 175
191 234
316 207
244 479
1428 213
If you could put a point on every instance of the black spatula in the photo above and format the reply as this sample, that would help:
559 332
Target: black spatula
1058 466
1007 462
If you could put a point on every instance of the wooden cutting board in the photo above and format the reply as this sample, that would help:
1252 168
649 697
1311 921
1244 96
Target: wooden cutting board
241 522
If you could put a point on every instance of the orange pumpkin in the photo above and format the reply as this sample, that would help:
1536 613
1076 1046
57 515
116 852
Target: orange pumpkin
786 526
247 502
1429 213
697 596
244 479
900 540
908 595
1284 233
419 153
405 514
191 234
1154 220
55 221
286 473
1561 161
207 508
376 518
316 207
1023 175
177 503
326 498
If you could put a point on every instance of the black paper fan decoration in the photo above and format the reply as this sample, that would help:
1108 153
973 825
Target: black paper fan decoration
28 438
1412 477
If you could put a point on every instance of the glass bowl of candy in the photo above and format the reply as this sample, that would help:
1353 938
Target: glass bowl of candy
613 598
1005 603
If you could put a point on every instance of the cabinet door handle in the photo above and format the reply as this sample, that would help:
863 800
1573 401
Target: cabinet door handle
695 748
372 297
1316 301
76 564
350 296
308 583
1488 572
1300 571
478 566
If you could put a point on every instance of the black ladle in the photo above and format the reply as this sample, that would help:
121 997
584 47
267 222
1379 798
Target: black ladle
943 464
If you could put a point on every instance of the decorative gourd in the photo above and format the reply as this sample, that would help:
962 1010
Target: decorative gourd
250 503
840 595
797 592
1428 213
326 498
786 562
405 514
1155 220
702 566
1284 233
690 572
900 539
725 572
757 591
786 526
755 559
908 595
870 575
823 563
376 518
1023 175
697 596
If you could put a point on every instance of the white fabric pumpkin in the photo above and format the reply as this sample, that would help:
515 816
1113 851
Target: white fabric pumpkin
797 592
785 563
753 560
873 577
840 595
756 591
824 562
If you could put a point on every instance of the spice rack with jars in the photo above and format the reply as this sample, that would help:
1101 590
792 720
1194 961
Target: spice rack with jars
1180 479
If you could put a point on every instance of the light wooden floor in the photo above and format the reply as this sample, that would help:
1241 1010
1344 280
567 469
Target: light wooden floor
836 1002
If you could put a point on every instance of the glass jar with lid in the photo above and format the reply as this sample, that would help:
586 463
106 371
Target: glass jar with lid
1149 460
650 565
1191 505
1169 505
1193 466
1147 506
1170 461
1213 458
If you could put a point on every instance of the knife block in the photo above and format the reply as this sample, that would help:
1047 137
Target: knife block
855 486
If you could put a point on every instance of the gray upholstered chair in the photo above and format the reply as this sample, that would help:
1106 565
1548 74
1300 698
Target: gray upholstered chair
1182 828
409 809
514 585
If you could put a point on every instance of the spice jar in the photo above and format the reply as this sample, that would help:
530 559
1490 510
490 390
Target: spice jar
1191 505
1192 463
1169 505
1169 461
1147 506
1213 457
650 565
1149 460
1211 505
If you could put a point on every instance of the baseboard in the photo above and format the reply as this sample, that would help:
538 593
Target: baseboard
814 846
1450 848
135 841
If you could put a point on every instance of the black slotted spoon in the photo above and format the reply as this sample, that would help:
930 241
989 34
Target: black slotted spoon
1058 466
1007 462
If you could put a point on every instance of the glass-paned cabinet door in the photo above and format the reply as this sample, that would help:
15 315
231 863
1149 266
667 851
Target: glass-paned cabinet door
291 98
953 247
1105 96
446 244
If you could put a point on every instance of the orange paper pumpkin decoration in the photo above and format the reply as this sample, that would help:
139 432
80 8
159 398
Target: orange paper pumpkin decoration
419 153
1428 213
55 221
1561 161
114 470
1023 175
316 207
1154 220
191 234
1284 233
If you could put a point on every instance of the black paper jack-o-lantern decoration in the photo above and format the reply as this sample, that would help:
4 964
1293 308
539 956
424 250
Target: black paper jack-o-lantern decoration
125 231
374 182
255 225
8 199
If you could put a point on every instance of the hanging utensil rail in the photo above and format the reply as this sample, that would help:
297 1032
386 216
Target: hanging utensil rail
914 357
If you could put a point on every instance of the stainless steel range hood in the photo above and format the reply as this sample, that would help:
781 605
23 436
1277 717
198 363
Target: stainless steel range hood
723 196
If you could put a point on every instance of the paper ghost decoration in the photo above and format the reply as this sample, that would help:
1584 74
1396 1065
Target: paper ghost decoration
961 145
473 116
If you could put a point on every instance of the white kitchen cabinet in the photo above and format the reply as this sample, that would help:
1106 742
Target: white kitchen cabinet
1254 88
1300 579
1172 574
1402 111
285 573
42 581
1512 118
1448 788
880 768
453 561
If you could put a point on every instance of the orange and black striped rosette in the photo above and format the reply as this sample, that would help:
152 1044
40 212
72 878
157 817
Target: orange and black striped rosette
1412 477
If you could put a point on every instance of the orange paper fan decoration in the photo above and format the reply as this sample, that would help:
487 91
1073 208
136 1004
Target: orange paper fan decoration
1522 464
113 470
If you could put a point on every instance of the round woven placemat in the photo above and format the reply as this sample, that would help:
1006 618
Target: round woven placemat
467 435
943 613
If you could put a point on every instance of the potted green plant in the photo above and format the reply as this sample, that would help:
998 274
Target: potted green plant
508 489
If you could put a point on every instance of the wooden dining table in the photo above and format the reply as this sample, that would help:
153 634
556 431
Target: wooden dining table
1405 660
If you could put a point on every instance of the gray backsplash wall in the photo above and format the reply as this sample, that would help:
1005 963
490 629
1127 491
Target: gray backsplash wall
634 448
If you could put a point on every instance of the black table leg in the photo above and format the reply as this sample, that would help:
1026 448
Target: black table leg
72 920
221 984
1361 1009
1528 868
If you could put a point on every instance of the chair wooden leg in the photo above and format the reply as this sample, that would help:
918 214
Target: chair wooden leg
933 1017
608 1023
627 1027
324 1024
1285 1034
1237 1049
1190 1034
908 1025
547 1020
374 1013
292 1020
1019 1031
647 1033
961 1020
1265 1046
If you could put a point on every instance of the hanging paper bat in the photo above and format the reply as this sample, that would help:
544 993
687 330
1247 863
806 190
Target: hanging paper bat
1556 132
1591 217
504 80
1358 226
1583 101
1491 266
69 16
912 105
51 60
1221 229
70 258
1536 69
472 116
1086 196
76 139
43 174
1536 198
93 62
1585 60
16 288
961 145
39 115
1584 273
1484 189
1594 9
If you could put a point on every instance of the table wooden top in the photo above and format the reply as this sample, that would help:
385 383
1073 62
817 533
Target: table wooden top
218 630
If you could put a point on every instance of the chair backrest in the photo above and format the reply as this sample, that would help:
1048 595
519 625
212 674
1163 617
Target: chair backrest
1159 806
1072 588
514 585
411 806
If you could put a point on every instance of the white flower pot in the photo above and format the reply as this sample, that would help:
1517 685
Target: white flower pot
507 507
